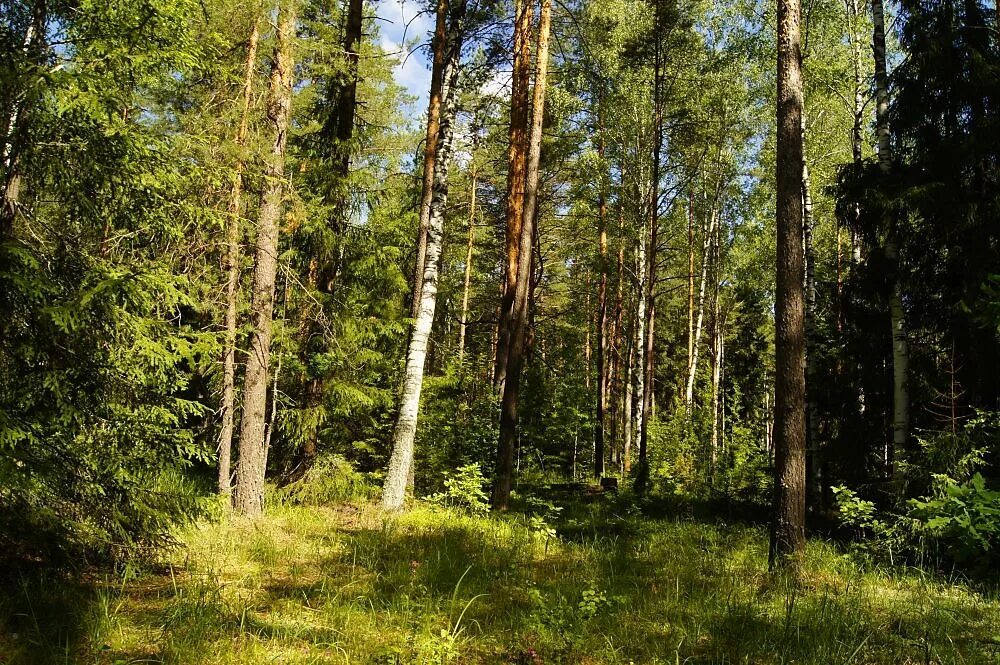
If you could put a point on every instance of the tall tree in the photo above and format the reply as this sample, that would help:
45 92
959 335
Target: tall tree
431 140
401 460
897 316
517 163
234 229
788 525
248 498
517 317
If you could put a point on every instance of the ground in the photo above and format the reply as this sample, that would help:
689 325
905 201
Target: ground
596 583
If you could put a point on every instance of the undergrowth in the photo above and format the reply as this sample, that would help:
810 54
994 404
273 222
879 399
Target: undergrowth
583 583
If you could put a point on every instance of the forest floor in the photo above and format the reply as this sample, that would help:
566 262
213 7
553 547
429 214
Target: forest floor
595 584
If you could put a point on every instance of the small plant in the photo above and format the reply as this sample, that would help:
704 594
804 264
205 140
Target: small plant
592 602
464 490
330 480
963 517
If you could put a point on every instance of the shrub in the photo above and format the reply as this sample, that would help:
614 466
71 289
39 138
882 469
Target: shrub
331 479
464 490
962 518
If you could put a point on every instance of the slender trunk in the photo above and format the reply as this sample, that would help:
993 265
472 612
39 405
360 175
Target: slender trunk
517 156
400 473
853 14
519 314
468 263
814 492
430 154
897 315
649 352
716 382
252 464
234 229
700 319
690 224
788 528
638 413
602 327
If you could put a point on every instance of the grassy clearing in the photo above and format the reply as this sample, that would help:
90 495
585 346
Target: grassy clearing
348 585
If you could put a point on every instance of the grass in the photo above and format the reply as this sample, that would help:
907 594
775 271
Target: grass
347 584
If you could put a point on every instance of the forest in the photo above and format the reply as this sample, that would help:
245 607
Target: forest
500 331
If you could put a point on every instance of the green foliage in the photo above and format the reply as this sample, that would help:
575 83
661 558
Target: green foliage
464 490
962 518
330 480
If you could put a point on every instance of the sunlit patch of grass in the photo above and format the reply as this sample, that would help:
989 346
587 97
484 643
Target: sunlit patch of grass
348 584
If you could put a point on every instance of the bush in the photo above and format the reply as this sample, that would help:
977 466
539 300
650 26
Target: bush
464 490
331 479
962 518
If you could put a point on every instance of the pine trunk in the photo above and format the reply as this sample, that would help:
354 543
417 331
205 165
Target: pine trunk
517 160
518 316
250 469
788 527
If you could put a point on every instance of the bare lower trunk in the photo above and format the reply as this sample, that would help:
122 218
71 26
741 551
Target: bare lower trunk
234 228
518 316
699 325
788 528
814 491
602 330
252 464
400 473
640 333
468 264
897 315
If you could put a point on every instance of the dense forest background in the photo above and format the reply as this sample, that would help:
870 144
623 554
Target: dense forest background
225 227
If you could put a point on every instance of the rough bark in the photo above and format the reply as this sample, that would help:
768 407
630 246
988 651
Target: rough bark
519 312
234 227
602 322
517 156
399 475
248 499
788 527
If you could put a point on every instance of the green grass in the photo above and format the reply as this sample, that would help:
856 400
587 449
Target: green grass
349 585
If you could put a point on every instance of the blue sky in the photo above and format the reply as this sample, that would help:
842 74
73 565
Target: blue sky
400 23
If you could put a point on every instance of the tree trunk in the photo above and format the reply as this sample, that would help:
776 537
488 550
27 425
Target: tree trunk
602 322
517 156
468 263
519 313
814 492
897 315
249 496
234 226
649 351
699 325
430 153
788 527
399 474
690 224
638 412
